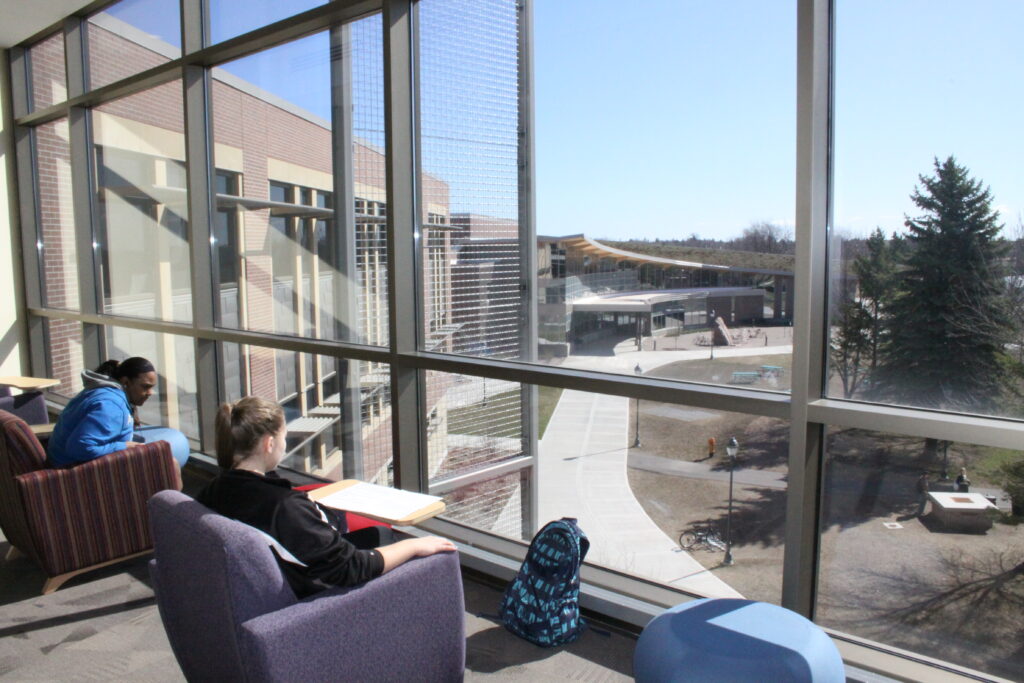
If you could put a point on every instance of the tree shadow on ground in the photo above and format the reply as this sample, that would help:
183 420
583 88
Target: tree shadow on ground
868 477
764 445
877 483
758 521
971 605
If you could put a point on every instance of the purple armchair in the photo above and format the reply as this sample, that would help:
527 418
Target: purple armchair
30 406
230 614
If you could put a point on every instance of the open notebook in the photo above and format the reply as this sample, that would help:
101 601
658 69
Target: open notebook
393 506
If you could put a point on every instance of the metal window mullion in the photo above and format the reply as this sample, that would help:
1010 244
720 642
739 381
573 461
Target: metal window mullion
346 279
195 25
82 188
809 334
402 180
978 430
201 214
528 333
14 81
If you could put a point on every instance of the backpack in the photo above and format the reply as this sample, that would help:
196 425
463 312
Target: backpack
541 604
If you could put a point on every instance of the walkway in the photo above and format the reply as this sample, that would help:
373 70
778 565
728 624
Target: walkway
582 474
702 470
627 357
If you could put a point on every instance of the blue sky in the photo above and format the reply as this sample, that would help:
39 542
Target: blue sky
679 116
681 119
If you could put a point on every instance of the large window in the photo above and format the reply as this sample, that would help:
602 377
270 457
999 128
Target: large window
49 84
174 402
56 217
915 546
306 264
927 294
485 259
131 36
142 232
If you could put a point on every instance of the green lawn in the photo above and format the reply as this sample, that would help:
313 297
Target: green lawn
547 400
493 418
719 370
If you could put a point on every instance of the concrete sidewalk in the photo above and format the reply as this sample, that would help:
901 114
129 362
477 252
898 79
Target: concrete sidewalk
582 474
702 470
625 360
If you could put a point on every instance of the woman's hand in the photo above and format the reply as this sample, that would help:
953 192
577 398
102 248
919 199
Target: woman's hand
399 553
428 545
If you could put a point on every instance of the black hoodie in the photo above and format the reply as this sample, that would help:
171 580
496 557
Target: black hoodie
268 503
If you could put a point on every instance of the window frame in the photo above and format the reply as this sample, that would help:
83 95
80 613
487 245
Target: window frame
807 407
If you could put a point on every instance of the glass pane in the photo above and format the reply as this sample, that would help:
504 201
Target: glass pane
657 245
927 291
64 354
131 36
49 82
916 556
230 18
285 261
173 404
143 215
469 118
58 252
637 482
314 392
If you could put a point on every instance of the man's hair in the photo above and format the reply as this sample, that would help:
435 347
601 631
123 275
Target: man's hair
240 426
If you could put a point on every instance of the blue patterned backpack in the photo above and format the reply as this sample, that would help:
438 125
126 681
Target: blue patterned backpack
542 602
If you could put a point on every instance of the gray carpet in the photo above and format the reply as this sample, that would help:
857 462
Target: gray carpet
104 625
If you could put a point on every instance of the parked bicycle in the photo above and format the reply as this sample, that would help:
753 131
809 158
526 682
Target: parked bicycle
702 536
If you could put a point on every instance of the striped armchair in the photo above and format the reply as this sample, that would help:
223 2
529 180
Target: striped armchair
70 521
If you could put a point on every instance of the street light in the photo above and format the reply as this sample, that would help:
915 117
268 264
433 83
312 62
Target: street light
636 441
945 459
713 325
731 449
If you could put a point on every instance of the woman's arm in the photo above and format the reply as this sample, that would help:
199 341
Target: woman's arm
99 432
399 553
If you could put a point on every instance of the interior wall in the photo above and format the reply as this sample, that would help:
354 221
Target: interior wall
12 330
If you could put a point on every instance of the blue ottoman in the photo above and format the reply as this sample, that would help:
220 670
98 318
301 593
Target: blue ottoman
735 640
180 447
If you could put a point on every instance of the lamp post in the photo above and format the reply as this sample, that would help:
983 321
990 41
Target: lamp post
636 430
713 324
731 449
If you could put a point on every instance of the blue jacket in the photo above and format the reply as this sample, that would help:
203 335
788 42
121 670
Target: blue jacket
96 422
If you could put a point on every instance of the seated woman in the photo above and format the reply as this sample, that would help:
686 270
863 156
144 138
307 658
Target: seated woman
250 444
101 418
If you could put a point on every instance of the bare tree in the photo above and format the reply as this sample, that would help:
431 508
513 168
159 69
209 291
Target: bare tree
765 238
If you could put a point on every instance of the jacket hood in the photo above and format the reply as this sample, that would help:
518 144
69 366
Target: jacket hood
94 380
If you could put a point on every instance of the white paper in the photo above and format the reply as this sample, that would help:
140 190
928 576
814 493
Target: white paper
378 501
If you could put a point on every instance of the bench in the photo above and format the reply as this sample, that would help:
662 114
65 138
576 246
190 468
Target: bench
745 377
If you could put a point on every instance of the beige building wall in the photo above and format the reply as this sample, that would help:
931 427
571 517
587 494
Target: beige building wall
12 339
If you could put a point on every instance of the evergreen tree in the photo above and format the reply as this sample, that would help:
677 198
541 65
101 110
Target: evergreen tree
850 345
946 326
876 274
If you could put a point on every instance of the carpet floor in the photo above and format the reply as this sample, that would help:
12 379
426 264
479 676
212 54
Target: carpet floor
104 626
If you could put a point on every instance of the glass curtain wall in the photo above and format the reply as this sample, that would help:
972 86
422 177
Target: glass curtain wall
550 280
